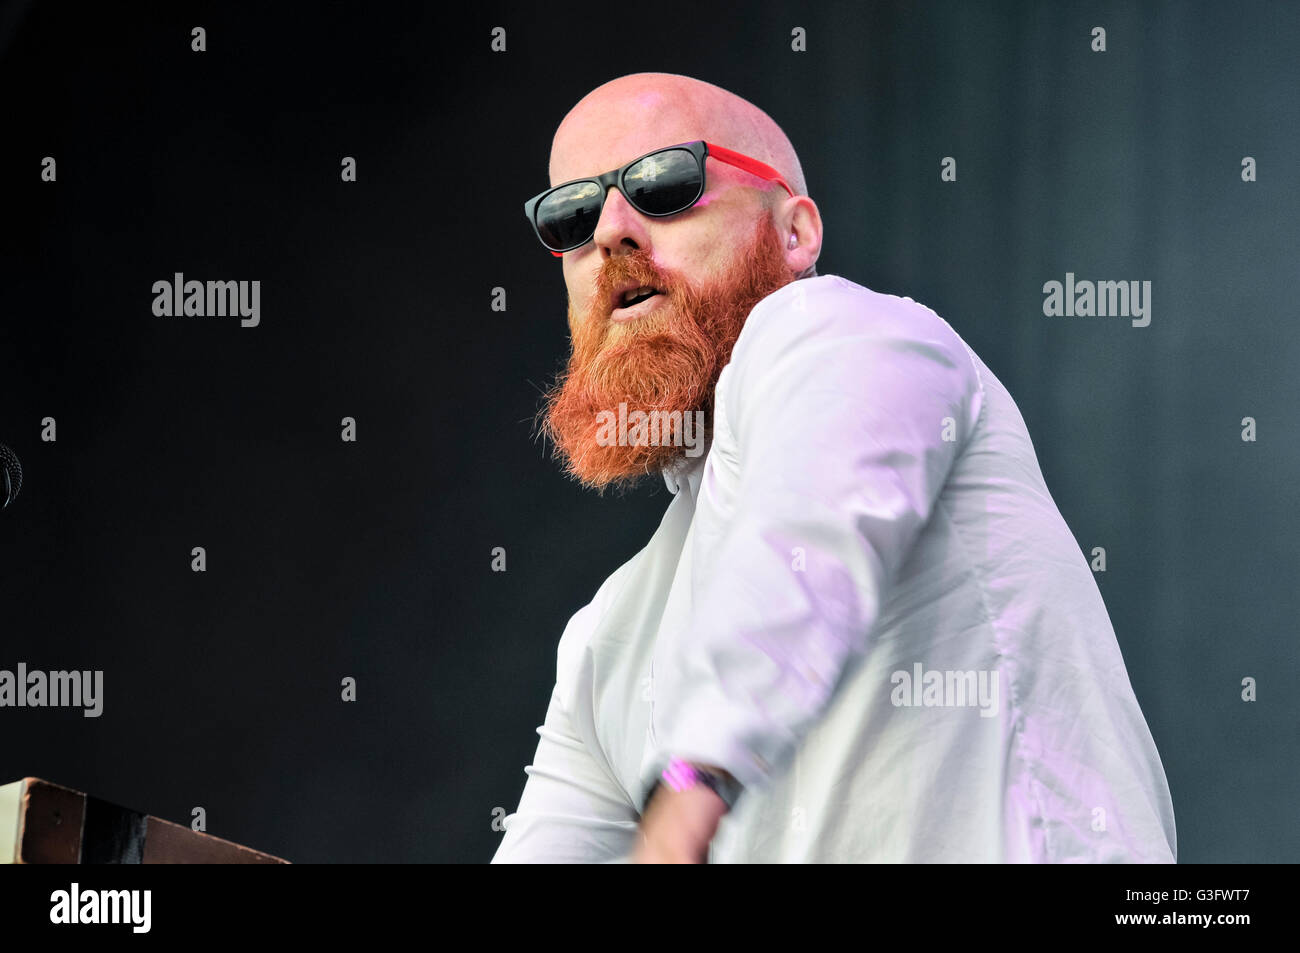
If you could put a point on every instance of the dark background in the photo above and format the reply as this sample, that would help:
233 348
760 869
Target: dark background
372 560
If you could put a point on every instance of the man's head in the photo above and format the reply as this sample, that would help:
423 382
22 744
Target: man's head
744 238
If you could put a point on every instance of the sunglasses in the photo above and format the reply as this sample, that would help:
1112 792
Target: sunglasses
659 183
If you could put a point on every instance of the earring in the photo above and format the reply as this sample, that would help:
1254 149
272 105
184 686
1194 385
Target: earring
793 241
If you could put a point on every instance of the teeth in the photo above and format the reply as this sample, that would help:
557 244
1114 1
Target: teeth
637 292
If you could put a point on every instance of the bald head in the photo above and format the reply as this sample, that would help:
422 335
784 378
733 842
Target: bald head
641 113
638 113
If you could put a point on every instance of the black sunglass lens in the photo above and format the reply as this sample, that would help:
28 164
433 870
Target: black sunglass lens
664 183
568 215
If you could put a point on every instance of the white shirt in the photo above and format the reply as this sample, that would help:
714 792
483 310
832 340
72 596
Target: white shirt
870 502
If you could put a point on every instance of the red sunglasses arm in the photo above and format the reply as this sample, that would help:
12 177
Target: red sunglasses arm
760 169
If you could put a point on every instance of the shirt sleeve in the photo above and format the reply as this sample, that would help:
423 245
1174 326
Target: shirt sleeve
571 811
838 422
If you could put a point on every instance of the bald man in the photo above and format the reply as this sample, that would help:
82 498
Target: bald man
862 631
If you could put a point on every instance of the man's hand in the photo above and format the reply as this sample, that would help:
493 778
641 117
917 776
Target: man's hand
678 826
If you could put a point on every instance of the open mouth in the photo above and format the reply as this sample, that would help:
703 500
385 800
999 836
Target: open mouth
636 295
635 302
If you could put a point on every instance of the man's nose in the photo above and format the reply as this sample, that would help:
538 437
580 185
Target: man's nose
620 225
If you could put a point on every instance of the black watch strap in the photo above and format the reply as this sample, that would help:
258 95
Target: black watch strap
724 786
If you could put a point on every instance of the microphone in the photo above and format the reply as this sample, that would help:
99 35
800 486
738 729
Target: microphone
11 476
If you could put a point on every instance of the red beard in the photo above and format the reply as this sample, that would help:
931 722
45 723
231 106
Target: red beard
666 361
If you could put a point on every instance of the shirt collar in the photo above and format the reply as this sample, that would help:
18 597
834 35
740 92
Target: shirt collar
688 471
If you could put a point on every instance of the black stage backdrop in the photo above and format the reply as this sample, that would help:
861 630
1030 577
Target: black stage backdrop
372 559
